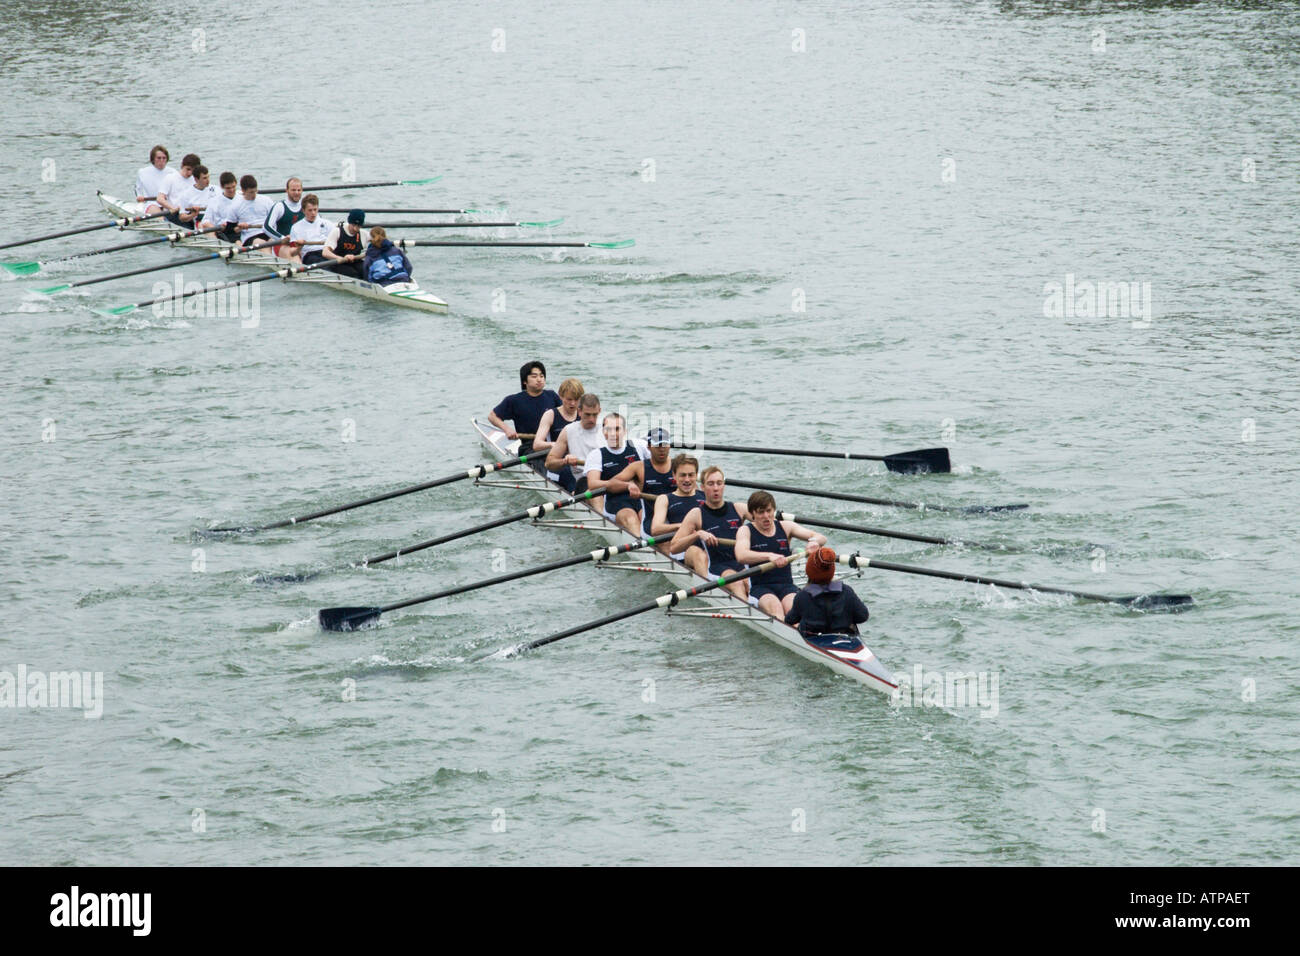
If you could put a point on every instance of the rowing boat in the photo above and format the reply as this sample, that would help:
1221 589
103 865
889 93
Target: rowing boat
845 655
406 294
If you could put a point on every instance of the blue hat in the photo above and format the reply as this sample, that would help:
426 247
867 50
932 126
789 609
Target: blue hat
658 436
357 217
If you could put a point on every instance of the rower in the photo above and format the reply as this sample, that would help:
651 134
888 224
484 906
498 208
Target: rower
174 187
251 213
346 246
526 407
714 518
825 606
222 212
604 468
308 235
151 177
577 441
283 214
385 263
554 421
652 473
670 509
764 539
195 200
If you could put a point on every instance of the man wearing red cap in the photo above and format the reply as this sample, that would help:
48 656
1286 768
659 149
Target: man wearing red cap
826 606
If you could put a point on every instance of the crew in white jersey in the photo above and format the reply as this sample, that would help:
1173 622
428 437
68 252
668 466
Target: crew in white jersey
308 235
195 201
223 213
251 213
175 185
150 177
577 441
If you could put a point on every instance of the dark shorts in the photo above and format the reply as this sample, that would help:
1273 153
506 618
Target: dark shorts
256 240
566 480
352 269
312 258
717 567
757 590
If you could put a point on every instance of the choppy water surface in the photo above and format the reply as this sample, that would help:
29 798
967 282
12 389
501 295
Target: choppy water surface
918 175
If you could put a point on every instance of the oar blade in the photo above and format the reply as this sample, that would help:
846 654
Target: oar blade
1158 602
120 310
919 462
21 268
347 618
620 244
51 290
419 182
988 509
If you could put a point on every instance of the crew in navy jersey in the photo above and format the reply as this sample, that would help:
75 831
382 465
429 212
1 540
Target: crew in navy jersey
604 470
714 519
766 539
525 408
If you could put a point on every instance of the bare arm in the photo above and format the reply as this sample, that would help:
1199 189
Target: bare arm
540 442
558 455
814 539
689 532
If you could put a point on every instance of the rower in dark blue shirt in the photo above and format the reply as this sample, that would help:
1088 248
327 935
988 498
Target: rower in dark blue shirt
764 539
714 522
525 408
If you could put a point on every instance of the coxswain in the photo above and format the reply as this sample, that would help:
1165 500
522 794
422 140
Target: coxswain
283 214
577 441
222 215
151 177
195 200
554 421
174 187
621 501
523 410
346 246
251 213
714 519
670 510
308 235
764 539
824 605
385 263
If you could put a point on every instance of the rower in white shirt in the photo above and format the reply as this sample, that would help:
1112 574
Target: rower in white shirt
308 235
175 185
150 177
251 213
196 200
222 213
621 503
284 213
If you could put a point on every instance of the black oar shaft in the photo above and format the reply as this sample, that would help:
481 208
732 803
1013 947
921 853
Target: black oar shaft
667 600
880 532
476 472
136 272
701 446
404 212
836 495
115 224
404 243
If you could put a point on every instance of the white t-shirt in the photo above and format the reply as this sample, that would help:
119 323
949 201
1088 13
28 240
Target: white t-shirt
582 443
149 178
311 233
194 196
252 211
174 186
222 210
594 460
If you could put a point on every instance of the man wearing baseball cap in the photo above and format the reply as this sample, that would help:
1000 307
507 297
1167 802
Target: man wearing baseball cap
654 476
347 246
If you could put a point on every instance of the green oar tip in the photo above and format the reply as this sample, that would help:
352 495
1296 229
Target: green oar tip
20 268
120 310
419 182
621 244
53 289
542 225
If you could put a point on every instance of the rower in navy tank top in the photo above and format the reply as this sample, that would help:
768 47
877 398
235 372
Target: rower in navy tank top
606 470
656 473
714 519
764 539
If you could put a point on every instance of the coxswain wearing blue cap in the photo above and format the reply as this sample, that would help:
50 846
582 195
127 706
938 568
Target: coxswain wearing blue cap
715 518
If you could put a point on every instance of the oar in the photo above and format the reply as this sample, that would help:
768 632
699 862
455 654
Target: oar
841 496
219 254
667 600
535 512
288 272
420 212
882 532
321 189
27 268
478 471
547 224
620 244
351 618
111 224
916 462
1144 602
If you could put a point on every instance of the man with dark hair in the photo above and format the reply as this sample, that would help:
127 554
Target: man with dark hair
150 177
251 212
764 539
222 213
526 407
174 187
195 200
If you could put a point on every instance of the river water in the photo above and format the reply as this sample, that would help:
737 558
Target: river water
851 228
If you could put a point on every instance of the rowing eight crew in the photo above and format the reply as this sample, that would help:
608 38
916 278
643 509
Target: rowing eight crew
712 536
